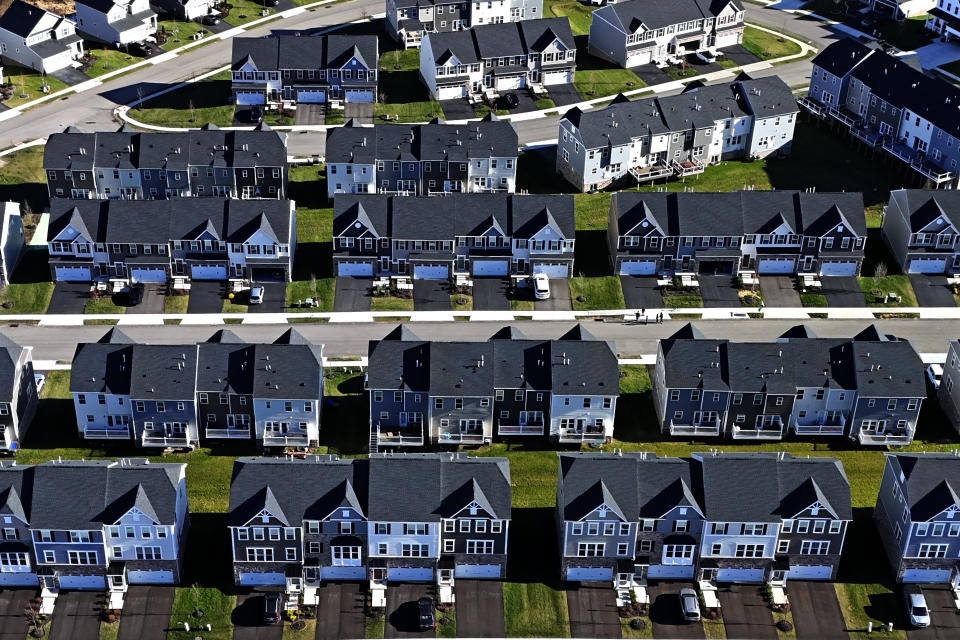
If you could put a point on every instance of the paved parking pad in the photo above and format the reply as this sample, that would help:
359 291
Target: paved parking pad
308 113
457 109
69 297
932 291
490 294
352 294
431 295
563 94
641 292
559 299
944 621
362 112
248 619
76 615
745 613
146 613
152 299
13 626
593 610
665 611
206 296
779 291
480 609
340 611
816 612
402 612
842 291
274 298
718 291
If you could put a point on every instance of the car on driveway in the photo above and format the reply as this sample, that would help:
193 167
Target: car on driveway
256 295
142 49
511 101
935 373
210 19
271 608
541 286
706 56
425 613
40 379
917 611
134 295
689 605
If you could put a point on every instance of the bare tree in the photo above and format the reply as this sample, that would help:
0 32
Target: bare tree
193 112
880 270
139 98
35 620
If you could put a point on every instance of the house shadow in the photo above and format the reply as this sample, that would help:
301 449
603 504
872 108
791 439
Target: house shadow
533 538
591 254
129 93
32 194
207 561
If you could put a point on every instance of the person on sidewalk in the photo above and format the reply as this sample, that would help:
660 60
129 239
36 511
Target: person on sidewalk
638 317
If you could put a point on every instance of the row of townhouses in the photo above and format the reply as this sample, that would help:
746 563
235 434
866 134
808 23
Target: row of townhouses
409 21
304 70
737 233
868 388
485 60
630 34
438 238
944 19
890 106
428 392
922 230
422 159
177 395
171 240
656 137
135 165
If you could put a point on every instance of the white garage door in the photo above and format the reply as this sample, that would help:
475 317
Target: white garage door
148 275
810 572
73 274
150 577
311 97
928 265
208 272
357 95
83 582
838 268
739 575
670 571
409 574
355 269
262 579
18 579
343 573
553 270
638 267
557 77
431 272
477 571
451 93
589 574
726 39
510 82
638 58
775 265
491 267
926 575
251 98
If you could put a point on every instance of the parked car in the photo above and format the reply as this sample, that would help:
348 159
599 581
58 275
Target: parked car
425 611
134 295
541 286
253 115
271 608
689 605
142 49
917 610
706 56
935 373
211 19
511 101
256 295
41 380
270 3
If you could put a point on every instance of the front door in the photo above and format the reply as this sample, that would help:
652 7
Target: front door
708 574
118 582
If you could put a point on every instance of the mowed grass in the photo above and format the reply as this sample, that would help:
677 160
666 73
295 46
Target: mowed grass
766 45
217 611
532 609
857 599
602 292
579 15
210 100
391 303
178 32
596 78
27 85
898 284
107 60
244 11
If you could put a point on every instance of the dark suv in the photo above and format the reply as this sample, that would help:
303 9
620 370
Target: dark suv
425 610
271 608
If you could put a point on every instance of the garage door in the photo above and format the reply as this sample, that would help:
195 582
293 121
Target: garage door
431 272
208 272
18 579
357 95
557 77
638 58
776 265
926 575
311 97
83 582
148 275
810 572
552 270
513 82
928 265
343 573
740 575
638 267
726 39
251 98
355 269
491 267
408 574
451 93
262 579
670 571
150 577
721 267
589 574
477 571
838 268
73 274
268 274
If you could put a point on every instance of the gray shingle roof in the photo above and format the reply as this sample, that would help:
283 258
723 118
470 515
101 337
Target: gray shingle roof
421 142
304 52
841 56
21 18
163 372
931 481
922 206
654 14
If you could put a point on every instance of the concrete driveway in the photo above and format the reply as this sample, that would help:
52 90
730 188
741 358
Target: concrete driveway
431 295
665 611
931 290
13 626
152 299
362 112
480 609
563 94
524 98
402 613
718 291
650 74
944 621
559 299
248 619
816 612
842 291
458 109
69 297
76 615
352 294
310 114
745 613
593 610
340 612
641 292
146 613
274 298
70 76
490 294
739 54
206 296
779 291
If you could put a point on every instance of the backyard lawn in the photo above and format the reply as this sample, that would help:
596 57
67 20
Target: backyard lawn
590 210
766 45
406 59
217 611
26 85
244 11
907 35
29 297
194 105
578 13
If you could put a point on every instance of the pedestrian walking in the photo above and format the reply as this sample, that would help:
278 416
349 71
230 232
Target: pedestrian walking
638 317
645 318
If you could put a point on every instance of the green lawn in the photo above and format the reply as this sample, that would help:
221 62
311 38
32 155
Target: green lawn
579 15
108 630
591 211
457 305
766 45
373 627
521 305
535 609
28 297
858 601
726 64
244 11
406 59
307 633
333 116
178 32
239 303
597 78
714 629
107 60
813 300
102 305
447 623
907 35
217 610
210 99
545 103
404 95
27 85
322 288
899 284
682 301
679 73
391 303
175 304
603 292
626 631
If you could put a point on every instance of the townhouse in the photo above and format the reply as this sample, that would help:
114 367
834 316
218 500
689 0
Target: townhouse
37 39
900 9
868 388
679 135
489 59
737 233
304 69
18 392
13 242
887 104
640 32
944 19
172 240
452 393
116 22
922 230
422 159
408 21
947 393
160 395
132 165
916 516
439 238
184 9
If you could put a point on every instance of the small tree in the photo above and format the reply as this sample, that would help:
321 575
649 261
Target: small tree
193 112
36 621
382 97
880 270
